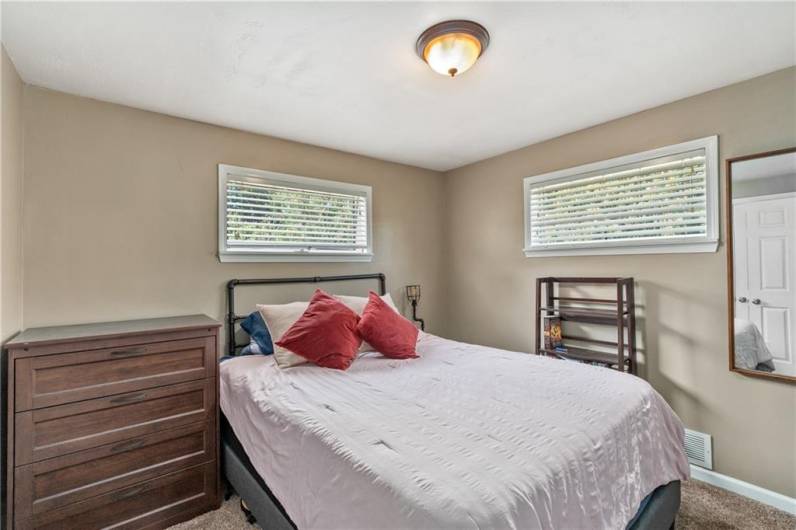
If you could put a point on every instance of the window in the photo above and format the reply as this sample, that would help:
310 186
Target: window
659 201
265 216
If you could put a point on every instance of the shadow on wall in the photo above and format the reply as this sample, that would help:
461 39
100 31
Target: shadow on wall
665 329
667 324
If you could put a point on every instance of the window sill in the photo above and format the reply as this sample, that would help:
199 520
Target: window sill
682 248
295 258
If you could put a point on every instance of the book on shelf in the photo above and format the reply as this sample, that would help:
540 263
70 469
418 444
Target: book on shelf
553 339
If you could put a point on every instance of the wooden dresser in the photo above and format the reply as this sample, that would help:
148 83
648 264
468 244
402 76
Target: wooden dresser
113 424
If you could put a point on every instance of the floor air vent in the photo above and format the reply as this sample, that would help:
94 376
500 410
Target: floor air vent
698 449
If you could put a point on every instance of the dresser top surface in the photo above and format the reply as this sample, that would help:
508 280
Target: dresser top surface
50 334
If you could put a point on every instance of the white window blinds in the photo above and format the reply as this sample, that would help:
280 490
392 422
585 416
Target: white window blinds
290 218
649 202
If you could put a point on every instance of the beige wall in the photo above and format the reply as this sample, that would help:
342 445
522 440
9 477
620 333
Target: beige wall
684 296
92 167
10 200
121 213
11 159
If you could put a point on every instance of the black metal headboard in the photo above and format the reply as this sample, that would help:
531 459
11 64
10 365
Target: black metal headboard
232 318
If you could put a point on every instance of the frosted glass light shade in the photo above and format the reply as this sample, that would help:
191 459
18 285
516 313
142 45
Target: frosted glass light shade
453 46
452 54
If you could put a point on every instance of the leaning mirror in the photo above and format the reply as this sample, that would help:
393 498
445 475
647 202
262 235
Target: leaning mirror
761 234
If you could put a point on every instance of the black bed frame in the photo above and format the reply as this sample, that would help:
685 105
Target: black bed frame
262 505
232 318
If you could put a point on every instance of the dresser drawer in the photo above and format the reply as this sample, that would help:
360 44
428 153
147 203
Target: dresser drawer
57 482
51 380
136 506
55 431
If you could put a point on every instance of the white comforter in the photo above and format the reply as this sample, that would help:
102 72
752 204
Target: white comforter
463 437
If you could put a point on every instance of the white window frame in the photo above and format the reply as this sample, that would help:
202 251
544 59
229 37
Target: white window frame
708 243
253 254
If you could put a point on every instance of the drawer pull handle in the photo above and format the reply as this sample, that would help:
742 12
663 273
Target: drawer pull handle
130 493
129 398
125 353
126 446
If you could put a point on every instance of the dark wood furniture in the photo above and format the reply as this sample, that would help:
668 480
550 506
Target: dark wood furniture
113 424
619 312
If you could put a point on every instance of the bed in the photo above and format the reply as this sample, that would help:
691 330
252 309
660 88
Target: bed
465 436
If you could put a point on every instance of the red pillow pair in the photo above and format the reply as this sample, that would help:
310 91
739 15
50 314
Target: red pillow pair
329 333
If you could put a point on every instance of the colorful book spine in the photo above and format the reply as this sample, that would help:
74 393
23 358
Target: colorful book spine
553 340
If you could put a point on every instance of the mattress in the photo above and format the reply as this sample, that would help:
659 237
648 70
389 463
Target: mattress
465 436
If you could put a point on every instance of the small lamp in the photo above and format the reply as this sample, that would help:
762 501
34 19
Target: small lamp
413 295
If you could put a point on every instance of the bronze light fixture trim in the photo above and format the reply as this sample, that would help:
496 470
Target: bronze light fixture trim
453 46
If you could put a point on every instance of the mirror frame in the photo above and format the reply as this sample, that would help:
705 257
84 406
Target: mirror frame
731 269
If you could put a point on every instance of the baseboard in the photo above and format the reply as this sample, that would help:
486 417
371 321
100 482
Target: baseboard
772 498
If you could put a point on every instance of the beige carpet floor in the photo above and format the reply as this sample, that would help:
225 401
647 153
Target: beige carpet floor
703 507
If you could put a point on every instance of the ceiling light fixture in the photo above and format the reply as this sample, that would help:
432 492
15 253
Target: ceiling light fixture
453 46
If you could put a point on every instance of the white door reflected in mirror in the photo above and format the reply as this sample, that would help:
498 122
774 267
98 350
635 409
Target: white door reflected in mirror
764 263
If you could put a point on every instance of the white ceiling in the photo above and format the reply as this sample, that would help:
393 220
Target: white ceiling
346 76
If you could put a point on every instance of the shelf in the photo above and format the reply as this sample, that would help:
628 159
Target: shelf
583 354
595 341
618 313
591 316
604 301
586 280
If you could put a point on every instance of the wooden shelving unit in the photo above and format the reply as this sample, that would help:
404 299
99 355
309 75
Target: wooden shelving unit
618 312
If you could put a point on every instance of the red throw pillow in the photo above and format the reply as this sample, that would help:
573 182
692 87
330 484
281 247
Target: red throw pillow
387 331
326 334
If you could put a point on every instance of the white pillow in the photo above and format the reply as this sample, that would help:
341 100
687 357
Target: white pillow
279 318
357 304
